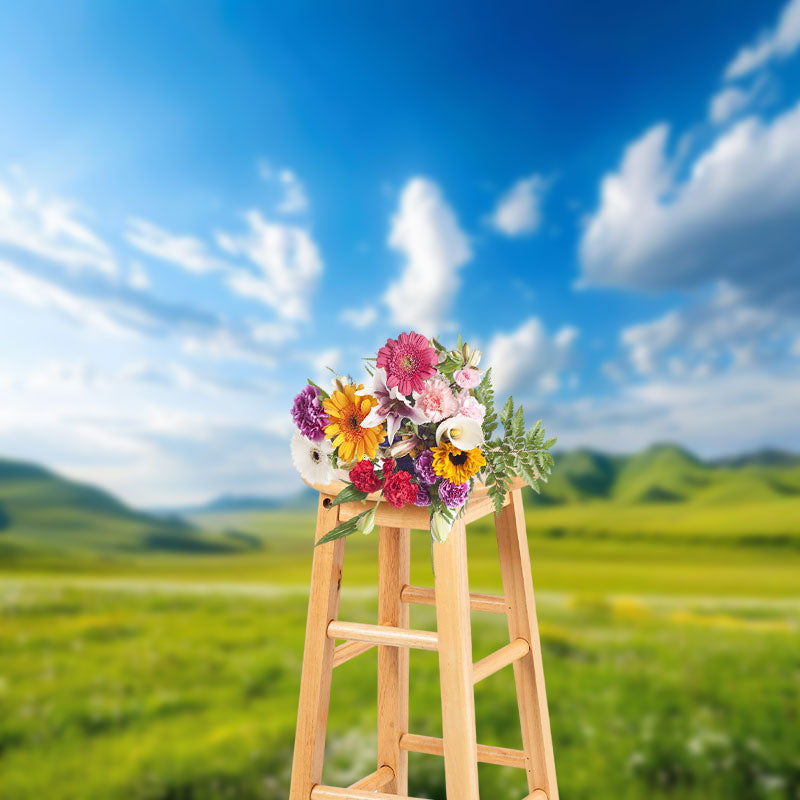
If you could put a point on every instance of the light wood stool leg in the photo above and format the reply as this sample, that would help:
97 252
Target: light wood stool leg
451 585
315 682
515 568
394 559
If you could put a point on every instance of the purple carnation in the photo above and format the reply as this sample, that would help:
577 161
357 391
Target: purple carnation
423 498
309 415
454 495
423 466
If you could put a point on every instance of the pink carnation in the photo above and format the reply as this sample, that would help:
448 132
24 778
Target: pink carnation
468 406
437 400
467 378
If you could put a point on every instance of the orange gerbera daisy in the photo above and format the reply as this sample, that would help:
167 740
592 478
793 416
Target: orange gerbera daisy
346 411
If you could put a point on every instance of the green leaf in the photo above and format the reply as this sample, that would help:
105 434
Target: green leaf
322 392
343 529
348 495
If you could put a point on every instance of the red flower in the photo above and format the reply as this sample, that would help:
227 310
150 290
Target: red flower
388 467
364 478
399 491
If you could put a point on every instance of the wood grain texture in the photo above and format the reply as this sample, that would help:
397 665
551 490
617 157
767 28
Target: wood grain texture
420 595
383 634
394 567
488 754
332 793
375 781
451 586
407 517
315 679
344 652
410 516
478 490
515 569
512 652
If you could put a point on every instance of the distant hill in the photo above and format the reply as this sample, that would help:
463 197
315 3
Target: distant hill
668 473
40 510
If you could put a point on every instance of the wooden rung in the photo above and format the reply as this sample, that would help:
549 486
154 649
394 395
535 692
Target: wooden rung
504 756
419 595
383 634
320 792
375 780
344 652
537 794
512 652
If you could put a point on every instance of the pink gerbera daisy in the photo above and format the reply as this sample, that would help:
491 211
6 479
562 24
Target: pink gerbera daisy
408 361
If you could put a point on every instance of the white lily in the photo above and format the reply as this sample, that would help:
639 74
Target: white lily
463 432
392 407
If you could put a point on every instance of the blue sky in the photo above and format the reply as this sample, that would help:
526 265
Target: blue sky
203 204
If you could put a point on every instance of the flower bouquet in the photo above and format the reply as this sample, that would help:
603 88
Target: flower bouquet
421 433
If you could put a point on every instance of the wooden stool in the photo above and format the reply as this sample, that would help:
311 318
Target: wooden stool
453 640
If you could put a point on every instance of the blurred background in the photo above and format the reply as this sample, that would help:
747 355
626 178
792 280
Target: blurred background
203 204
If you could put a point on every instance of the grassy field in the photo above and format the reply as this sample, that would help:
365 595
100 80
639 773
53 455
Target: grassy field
670 638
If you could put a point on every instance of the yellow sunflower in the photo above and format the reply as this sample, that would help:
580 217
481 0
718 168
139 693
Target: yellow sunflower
457 466
346 411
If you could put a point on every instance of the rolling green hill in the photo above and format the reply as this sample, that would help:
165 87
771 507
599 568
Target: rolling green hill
667 473
41 512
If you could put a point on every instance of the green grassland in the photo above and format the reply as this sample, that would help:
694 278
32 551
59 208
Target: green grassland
158 659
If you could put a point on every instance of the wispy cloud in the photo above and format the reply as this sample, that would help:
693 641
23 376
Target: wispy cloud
713 334
777 43
426 231
712 414
518 211
49 227
45 295
294 199
187 252
732 101
359 318
287 261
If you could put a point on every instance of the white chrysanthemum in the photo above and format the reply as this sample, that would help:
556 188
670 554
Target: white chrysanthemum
312 459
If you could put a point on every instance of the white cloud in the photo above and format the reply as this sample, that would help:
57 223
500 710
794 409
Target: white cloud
224 344
187 252
426 231
138 277
294 200
288 262
733 217
528 359
728 103
359 318
713 415
49 228
713 334
778 43
44 295
322 362
518 211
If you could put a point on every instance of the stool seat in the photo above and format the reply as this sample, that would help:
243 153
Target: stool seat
452 640
418 519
